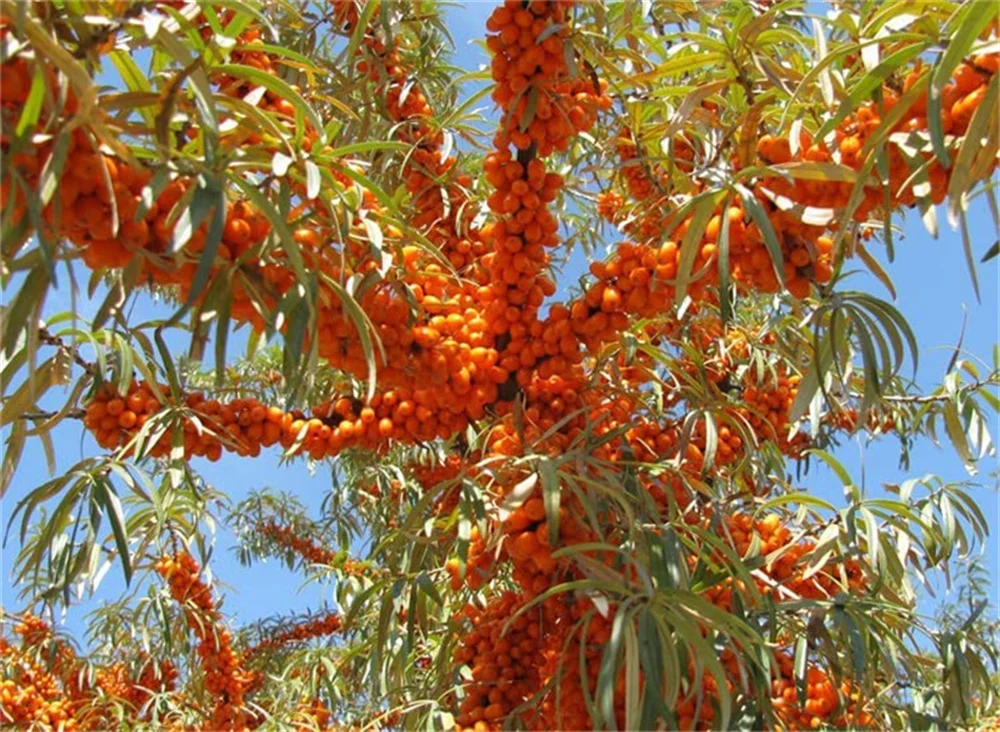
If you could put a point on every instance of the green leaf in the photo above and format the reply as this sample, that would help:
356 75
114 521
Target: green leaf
37 383
835 465
991 253
365 330
956 434
819 171
691 244
875 268
33 104
892 315
752 206
800 666
200 86
105 494
812 378
983 120
313 180
551 498
222 331
209 198
12 455
869 361
28 302
723 247
134 79
800 498
969 257
607 674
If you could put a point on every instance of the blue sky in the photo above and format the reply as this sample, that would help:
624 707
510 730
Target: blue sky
930 276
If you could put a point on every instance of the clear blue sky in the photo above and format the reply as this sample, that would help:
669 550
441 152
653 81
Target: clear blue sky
933 285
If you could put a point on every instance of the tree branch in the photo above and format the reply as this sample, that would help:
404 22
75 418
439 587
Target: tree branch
993 380
50 340
72 414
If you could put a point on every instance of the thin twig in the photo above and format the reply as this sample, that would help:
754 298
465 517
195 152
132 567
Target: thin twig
50 340
993 380
71 414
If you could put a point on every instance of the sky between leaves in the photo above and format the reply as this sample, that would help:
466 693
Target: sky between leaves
935 293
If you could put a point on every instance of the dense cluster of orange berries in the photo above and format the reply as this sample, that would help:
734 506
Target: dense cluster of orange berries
312 714
45 684
636 179
503 677
116 681
98 204
443 476
609 204
807 249
448 346
502 667
244 426
849 421
438 193
544 103
826 703
539 650
786 575
286 536
30 693
541 111
226 679
769 398
478 568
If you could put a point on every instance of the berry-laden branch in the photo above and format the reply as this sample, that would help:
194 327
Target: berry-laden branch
807 249
226 678
416 355
311 552
326 624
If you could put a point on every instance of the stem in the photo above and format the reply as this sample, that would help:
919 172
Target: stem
72 414
993 380
50 340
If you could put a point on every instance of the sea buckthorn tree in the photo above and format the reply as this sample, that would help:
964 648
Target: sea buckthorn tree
573 332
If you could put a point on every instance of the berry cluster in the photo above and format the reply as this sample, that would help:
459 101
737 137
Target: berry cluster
314 628
30 693
827 703
45 684
225 677
244 426
807 249
309 550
